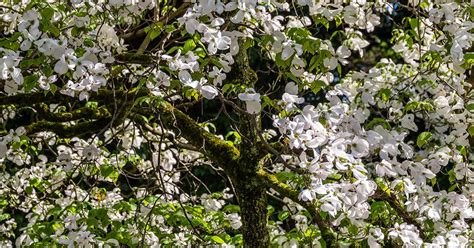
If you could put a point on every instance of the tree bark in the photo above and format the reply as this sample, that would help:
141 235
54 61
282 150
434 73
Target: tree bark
253 209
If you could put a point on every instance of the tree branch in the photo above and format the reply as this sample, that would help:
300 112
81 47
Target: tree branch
171 16
84 112
216 149
272 181
68 131
395 204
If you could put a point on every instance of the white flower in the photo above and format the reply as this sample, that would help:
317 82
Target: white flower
433 211
288 50
290 101
384 168
70 222
211 204
44 82
10 87
190 22
306 195
341 54
375 234
371 21
408 122
208 91
408 234
291 88
235 220
435 15
3 149
332 205
61 67
217 41
358 44
207 6
297 66
359 147
218 75
107 37
185 78
252 101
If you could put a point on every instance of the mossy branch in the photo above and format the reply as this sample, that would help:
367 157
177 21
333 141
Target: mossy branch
68 131
135 58
224 154
84 112
215 148
104 95
28 99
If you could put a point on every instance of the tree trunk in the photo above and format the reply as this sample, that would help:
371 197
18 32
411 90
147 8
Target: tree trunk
253 209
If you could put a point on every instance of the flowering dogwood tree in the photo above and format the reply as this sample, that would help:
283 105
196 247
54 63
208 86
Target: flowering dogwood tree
254 122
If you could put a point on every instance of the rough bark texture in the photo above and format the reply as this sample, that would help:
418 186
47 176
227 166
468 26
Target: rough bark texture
253 209
250 189
251 194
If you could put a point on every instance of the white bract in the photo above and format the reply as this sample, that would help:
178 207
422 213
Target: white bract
252 101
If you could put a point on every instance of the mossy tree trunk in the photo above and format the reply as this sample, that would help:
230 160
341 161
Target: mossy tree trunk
253 210
252 198
250 189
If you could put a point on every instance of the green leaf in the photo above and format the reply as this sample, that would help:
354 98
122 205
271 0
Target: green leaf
217 239
170 28
200 52
268 102
423 138
338 21
414 23
53 88
47 14
470 130
353 229
452 176
462 150
468 59
283 215
270 210
189 45
321 20
30 82
424 4
92 105
470 106
35 181
411 106
52 29
285 176
317 85
322 242
237 139
385 94
154 33
108 171
4 217
75 31
231 209
378 121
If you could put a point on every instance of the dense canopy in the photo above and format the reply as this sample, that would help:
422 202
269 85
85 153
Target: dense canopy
167 123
